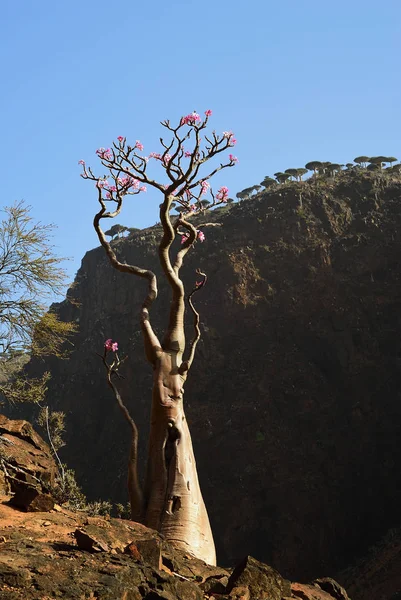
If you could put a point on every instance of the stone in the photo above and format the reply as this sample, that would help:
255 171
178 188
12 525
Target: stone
306 591
332 587
264 582
150 550
89 543
32 500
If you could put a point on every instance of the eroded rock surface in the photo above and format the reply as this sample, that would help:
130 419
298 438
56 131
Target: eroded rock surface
65 554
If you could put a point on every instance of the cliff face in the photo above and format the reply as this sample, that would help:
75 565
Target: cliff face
294 396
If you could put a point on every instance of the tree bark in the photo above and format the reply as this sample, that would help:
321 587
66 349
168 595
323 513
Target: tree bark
174 503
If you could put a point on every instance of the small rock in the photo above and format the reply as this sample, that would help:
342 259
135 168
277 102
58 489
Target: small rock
309 592
150 551
32 500
240 593
333 588
46 524
133 551
89 543
262 580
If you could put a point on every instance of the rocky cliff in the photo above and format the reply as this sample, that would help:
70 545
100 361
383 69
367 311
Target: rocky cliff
294 396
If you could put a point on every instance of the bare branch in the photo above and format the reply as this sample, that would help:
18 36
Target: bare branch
186 365
134 488
152 344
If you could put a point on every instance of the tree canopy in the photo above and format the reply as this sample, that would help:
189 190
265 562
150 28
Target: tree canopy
30 277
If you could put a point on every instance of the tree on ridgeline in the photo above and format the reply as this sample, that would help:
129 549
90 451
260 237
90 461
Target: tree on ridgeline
282 177
171 501
292 173
268 182
314 166
116 230
362 160
378 161
301 172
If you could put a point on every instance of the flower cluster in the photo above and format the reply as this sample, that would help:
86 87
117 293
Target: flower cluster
104 153
229 135
233 158
199 236
222 194
191 119
205 185
155 155
110 346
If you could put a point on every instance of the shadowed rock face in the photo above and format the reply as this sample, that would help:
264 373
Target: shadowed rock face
293 398
26 461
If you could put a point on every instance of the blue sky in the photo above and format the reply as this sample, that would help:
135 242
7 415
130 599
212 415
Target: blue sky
296 80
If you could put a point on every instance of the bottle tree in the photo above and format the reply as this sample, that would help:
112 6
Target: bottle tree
171 501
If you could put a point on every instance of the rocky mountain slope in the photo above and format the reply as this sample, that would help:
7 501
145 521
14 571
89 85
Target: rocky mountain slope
294 396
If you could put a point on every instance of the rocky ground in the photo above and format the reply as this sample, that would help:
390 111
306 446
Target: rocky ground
48 551
65 554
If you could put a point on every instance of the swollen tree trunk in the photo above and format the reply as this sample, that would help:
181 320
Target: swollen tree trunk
175 505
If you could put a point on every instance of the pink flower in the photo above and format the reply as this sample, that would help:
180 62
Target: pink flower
121 139
227 134
102 183
81 162
199 284
167 159
142 188
200 235
191 119
205 185
138 145
104 153
184 237
110 346
222 194
233 158
187 153
155 155
233 141
208 113
108 196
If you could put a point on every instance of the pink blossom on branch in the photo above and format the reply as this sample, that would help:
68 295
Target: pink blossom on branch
104 153
191 119
208 113
81 162
155 155
110 346
233 158
121 139
205 185
102 183
138 145
222 194
200 235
